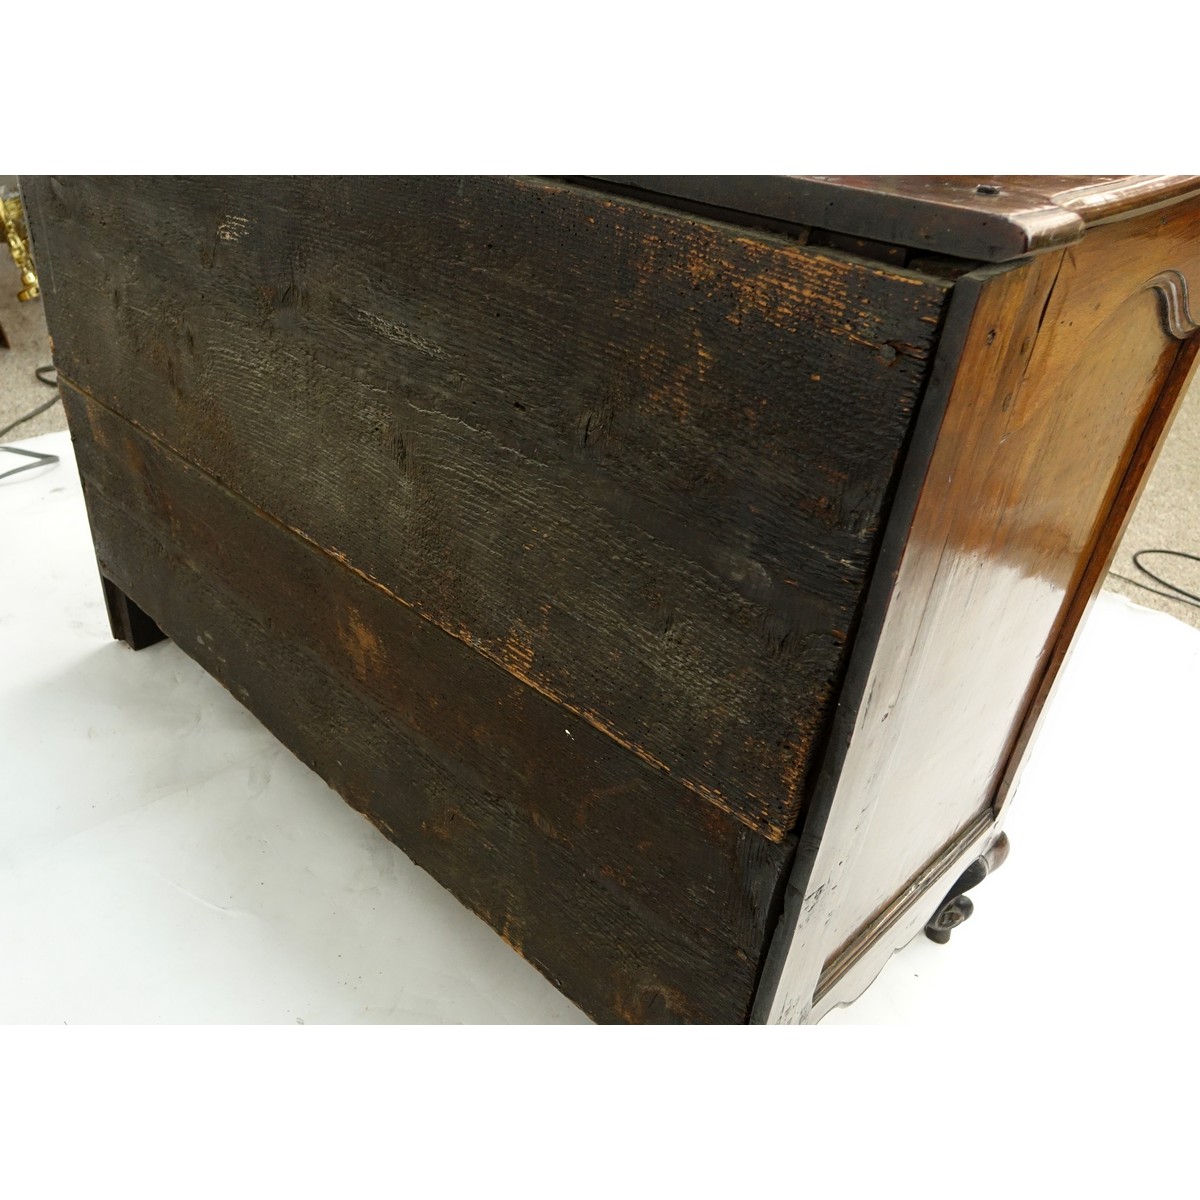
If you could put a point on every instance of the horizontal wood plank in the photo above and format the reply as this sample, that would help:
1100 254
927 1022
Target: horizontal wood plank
638 459
637 898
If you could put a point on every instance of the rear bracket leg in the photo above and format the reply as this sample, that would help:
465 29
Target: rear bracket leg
129 623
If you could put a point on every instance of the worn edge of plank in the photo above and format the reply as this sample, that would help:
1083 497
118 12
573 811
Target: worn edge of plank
820 203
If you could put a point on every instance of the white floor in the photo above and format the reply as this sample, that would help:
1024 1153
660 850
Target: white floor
164 859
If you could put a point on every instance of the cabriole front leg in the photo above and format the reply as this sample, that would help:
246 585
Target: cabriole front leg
957 906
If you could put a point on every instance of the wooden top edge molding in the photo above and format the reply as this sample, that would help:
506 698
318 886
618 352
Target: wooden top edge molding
992 218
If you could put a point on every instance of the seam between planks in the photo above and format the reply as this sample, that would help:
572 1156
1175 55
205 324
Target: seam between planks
772 833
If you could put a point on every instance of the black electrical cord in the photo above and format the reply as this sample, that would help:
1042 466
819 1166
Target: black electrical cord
40 459
1182 595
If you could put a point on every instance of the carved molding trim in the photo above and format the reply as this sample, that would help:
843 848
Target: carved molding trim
1172 288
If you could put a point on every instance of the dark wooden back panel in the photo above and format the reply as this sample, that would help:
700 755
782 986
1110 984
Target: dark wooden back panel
637 898
637 459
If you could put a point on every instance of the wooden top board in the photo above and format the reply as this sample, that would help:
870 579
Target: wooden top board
992 218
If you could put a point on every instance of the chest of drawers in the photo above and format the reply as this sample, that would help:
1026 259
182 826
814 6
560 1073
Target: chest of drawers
674 567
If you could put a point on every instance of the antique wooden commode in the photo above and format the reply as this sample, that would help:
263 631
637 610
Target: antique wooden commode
675 567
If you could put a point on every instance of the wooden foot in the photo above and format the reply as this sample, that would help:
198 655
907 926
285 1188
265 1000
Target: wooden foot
128 623
957 907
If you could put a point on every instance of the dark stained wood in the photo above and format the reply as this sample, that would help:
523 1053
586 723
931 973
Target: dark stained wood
686 203
638 459
993 218
635 897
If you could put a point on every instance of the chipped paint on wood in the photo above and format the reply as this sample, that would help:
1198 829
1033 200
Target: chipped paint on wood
233 228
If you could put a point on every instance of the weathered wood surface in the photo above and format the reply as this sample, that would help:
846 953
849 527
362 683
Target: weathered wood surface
539 523
637 459
638 899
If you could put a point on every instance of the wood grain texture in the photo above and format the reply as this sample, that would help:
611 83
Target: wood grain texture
639 900
542 523
637 459
1054 403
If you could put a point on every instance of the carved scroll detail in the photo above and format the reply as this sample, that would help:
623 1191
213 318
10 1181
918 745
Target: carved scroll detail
1172 289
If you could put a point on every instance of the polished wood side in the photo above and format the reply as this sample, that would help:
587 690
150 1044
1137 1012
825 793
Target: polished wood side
1058 389
1141 465
990 331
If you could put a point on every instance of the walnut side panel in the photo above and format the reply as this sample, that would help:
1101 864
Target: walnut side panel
1068 365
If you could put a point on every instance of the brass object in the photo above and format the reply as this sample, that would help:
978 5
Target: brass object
12 213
